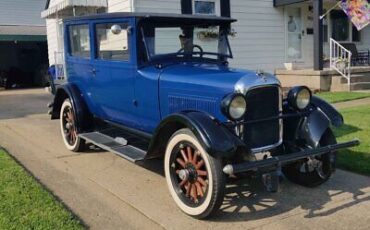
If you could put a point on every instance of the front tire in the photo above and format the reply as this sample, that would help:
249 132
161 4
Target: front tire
68 128
194 178
303 173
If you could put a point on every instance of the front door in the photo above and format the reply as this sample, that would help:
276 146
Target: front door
112 74
294 34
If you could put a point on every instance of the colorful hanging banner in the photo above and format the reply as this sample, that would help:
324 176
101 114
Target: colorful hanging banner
358 11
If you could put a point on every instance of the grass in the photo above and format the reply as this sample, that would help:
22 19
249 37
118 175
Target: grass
357 125
335 97
25 204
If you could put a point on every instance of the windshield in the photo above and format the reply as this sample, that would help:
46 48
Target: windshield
194 41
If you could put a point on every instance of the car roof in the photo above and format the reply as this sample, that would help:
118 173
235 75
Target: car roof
157 17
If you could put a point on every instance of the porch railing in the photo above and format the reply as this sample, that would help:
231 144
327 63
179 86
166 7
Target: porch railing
340 60
59 65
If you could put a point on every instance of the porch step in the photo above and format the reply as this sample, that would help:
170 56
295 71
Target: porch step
360 86
356 78
358 82
118 145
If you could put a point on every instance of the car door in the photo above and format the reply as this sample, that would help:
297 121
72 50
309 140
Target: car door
78 59
113 80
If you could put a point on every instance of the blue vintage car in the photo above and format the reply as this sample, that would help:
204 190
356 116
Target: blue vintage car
149 86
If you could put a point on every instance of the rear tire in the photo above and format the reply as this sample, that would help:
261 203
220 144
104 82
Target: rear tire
195 179
299 172
68 128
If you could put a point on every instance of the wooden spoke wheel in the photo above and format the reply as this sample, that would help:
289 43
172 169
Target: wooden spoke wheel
69 128
195 179
191 173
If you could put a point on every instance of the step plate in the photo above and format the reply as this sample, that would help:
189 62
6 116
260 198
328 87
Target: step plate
105 142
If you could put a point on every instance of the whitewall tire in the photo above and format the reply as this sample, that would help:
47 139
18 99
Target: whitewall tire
194 178
68 128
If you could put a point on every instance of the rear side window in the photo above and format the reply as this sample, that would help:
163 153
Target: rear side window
112 42
79 41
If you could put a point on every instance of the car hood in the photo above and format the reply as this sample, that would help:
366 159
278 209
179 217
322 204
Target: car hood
215 76
202 86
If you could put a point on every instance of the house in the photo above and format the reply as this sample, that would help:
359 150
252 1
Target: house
270 34
23 49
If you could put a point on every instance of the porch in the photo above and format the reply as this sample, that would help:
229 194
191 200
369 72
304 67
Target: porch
326 79
324 50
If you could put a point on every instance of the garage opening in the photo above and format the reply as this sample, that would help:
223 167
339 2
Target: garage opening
23 64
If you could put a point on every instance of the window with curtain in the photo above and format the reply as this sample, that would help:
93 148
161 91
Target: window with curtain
204 7
342 28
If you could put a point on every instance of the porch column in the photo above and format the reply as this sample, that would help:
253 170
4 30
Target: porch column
318 35
186 7
225 8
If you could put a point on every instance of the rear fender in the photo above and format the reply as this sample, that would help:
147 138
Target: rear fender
215 138
82 113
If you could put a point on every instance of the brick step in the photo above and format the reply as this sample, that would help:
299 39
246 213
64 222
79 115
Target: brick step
359 78
360 86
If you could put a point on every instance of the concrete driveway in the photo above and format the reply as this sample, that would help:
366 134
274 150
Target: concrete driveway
108 192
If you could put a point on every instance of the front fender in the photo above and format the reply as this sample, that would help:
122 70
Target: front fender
214 137
328 110
315 125
82 114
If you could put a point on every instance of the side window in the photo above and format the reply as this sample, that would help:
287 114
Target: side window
112 42
211 7
79 41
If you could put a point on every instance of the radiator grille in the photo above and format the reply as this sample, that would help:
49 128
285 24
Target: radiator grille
262 103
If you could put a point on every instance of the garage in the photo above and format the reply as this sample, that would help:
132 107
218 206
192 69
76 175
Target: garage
23 57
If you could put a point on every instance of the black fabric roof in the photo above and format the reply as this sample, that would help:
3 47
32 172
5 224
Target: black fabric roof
157 17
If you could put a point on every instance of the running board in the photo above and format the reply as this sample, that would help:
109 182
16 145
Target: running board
118 145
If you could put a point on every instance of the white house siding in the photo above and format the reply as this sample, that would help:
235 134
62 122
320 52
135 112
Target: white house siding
119 6
21 12
158 6
51 27
260 38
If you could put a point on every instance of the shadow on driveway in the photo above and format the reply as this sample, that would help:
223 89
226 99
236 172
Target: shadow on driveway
247 199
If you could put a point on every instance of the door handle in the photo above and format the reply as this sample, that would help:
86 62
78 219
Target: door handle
93 71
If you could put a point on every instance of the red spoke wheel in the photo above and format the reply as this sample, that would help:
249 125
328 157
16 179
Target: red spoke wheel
68 128
195 179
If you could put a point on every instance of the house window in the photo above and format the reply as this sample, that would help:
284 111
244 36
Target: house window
342 29
112 46
206 7
79 41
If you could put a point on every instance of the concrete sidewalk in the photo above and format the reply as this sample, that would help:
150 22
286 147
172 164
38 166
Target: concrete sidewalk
108 192
353 103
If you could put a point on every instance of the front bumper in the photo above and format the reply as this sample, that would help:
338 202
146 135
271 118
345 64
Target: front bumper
277 161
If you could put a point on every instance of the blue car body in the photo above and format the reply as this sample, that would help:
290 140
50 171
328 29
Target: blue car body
155 95
159 85
141 96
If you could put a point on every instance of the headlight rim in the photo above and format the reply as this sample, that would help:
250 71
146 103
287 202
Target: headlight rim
226 103
293 97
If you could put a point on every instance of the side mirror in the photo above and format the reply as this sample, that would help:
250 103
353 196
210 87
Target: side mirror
116 29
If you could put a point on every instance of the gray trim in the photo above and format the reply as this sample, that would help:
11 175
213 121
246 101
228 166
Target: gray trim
318 39
47 4
286 2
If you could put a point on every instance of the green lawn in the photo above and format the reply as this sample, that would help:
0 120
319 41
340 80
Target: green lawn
335 97
25 204
357 125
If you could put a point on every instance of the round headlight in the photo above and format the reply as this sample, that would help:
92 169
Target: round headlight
299 97
234 106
